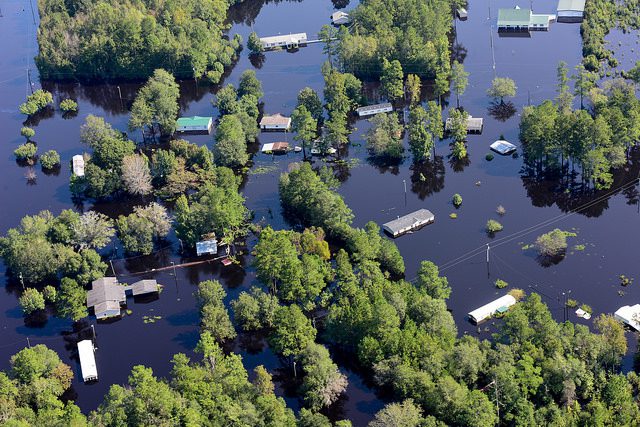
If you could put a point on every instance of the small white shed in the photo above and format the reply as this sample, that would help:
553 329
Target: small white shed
77 163
340 18
86 352
503 147
371 110
497 306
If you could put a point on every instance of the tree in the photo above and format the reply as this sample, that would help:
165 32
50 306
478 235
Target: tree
254 44
136 176
305 127
68 105
413 85
405 414
293 331
493 226
158 216
502 87
458 125
214 316
392 79
584 81
50 159
420 139
71 302
323 383
27 132
565 98
254 310
441 83
327 35
156 104
37 101
459 80
231 148
31 300
250 85
310 99
431 282
136 234
276 260
553 243
92 230
227 100
26 152
384 139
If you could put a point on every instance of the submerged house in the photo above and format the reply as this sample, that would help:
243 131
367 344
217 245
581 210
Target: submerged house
106 297
275 147
629 315
194 124
340 18
207 247
409 222
88 368
371 110
522 20
275 122
474 124
288 41
77 164
500 305
570 10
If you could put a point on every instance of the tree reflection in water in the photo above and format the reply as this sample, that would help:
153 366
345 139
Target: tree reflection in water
502 111
427 177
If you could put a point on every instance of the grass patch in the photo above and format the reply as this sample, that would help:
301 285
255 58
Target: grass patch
579 247
264 169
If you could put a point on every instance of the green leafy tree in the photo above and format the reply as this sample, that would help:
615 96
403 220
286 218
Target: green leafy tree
27 132
305 127
584 81
405 414
420 139
36 102
502 87
250 85
458 125
71 302
309 98
384 139
293 331
254 44
50 159
227 100
413 85
459 80
231 148
431 282
323 383
156 105
26 152
214 316
92 230
391 79
68 105
31 300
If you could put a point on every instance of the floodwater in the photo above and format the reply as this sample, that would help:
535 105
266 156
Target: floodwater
604 222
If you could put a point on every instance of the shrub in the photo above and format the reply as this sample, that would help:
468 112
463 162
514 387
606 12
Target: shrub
27 132
50 294
500 210
453 215
36 102
26 151
31 300
553 243
68 105
501 284
489 157
457 200
586 308
571 303
50 159
518 294
459 150
493 226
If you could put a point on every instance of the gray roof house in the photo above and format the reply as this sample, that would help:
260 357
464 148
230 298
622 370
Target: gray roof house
105 297
144 287
409 222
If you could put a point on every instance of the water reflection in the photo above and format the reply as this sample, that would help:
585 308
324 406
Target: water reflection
247 11
427 177
502 111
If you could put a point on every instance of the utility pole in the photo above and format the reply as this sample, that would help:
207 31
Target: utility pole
28 343
488 272
21 280
173 264
30 82
113 269
94 331
120 95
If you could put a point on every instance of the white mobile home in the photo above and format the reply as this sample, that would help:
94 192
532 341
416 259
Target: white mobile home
77 162
371 110
409 222
287 41
629 315
88 367
500 305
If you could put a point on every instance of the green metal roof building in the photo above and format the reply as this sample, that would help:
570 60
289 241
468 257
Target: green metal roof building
514 19
195 123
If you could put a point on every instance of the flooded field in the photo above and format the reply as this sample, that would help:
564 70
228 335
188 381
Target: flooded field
605 222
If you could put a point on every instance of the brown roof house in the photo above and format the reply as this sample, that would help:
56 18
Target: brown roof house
275 122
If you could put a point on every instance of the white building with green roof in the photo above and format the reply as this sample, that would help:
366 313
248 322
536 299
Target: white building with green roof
194 124
522 20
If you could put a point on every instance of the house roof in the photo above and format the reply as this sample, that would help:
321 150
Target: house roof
285 38
87 360
207 247
514 17
418 217
571 5
107 306
374 107
540 19
339 14
144 287
275 146
105 289
275 120
194 121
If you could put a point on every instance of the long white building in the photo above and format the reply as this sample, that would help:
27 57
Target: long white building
500 305
88 367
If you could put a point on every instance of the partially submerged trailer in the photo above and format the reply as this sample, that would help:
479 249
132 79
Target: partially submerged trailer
500 305
629 315
86 352
409 222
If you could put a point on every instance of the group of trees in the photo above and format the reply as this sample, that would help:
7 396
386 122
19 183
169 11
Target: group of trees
595 141
146 224
59 252
110 39
342 93
156 105
238 124
412 32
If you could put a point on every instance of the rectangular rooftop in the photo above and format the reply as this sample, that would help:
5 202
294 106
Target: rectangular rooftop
409 222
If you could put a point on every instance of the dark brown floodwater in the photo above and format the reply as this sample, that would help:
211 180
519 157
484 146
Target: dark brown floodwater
607 228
